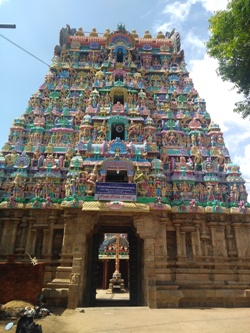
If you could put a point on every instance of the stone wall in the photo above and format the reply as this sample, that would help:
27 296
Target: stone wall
188 259
20 281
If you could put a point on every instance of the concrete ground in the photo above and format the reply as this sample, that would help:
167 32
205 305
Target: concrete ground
114 319
143 320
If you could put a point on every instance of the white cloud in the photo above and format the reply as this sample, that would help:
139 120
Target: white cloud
194 45
177 12
220 96
195 41
162 27
178 9
214 5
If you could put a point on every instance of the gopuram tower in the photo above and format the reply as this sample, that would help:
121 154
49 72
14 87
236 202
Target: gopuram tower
118 140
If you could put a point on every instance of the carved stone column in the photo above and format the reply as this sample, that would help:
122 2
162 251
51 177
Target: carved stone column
46 237
237 232
198 239
83 227
146 227
15 223
5 235
212 227
183 243
161 236
30 240
68 240
231 250
178 240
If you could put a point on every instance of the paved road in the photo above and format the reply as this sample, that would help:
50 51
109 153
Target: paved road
144 320
116 319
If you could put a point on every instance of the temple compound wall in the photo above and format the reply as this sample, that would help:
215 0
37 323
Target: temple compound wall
117 140
20 281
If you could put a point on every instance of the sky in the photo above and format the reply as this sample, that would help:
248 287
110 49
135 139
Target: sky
38 23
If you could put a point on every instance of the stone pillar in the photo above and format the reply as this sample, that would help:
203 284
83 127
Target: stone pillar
213 236
237 233
33 240
178 240
46 236
10 245
5 236
222 240
194 241
50 241
29 242
146 228
198 240
183 241
161 237
149 272
68 239
83 226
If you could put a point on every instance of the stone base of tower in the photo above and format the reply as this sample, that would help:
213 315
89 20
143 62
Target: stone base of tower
168 298
175 260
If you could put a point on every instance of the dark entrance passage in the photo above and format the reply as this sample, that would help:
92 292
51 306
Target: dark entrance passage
100 291
117 176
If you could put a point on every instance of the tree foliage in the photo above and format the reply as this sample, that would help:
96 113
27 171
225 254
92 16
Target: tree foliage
230 45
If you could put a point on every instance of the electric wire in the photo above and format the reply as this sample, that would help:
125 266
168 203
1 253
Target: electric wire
32 55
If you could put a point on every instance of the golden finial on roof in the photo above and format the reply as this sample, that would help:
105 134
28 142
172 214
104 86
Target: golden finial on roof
160 35
134 34
93 33
80 32
147 34
107 32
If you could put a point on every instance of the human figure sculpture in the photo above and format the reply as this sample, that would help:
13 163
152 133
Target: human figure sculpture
141 180
17 186
198 160
35 158
221 162
68 156
91 181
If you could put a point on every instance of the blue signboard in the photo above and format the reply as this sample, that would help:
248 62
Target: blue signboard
115 191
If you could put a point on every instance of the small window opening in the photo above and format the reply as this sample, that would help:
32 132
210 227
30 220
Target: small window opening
119 77
117 131
119 56
119 98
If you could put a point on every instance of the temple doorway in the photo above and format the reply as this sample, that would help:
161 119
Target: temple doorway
115 272
117 176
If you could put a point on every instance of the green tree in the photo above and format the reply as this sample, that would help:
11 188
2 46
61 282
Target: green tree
230 45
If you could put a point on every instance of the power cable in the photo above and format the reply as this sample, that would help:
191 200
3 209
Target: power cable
32 55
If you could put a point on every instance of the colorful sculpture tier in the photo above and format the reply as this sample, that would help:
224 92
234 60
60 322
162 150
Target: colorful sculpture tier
117 108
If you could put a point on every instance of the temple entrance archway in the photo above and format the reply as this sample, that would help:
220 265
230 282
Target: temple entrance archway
100 270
